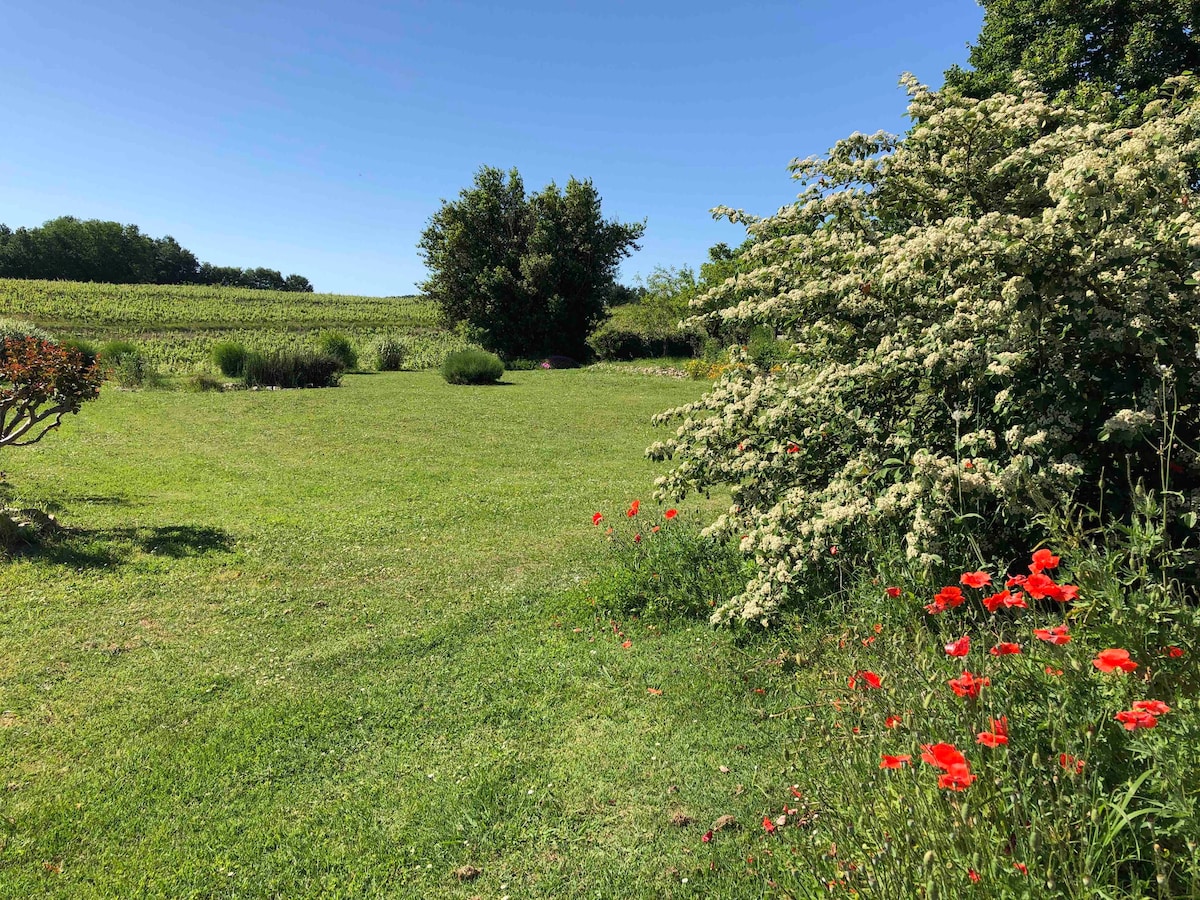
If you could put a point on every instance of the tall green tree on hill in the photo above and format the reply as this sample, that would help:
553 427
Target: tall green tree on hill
527 275
1078 50
71 249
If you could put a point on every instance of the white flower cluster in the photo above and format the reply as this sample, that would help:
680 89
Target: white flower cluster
971 310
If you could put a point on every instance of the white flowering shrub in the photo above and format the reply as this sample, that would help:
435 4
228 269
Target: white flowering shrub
989 317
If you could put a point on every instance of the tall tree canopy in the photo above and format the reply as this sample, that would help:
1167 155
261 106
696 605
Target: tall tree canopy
72 249
1079 49
528 275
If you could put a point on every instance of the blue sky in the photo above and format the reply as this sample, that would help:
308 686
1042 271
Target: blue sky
319 137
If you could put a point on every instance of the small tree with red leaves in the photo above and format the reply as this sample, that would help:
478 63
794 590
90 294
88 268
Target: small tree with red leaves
40 382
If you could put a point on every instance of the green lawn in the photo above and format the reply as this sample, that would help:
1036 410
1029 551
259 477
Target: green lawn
334 643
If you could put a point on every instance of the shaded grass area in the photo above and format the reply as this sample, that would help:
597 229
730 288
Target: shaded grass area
339 643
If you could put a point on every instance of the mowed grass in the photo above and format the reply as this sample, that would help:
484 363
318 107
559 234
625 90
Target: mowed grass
339 643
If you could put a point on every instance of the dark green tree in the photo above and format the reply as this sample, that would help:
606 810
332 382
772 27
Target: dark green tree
527 275
1080 49
72 249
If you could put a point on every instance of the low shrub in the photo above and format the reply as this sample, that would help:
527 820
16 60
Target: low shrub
202 381
472 367
133 370
631 334
523 365
19 329
337 345
389 353
112 351
291 369
229 357
86 349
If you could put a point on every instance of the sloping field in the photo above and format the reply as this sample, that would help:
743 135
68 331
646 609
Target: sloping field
176 325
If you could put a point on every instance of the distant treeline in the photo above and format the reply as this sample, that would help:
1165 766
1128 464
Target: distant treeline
73 250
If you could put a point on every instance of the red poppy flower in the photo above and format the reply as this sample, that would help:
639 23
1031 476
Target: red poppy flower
866 642
1021 867
707 836
1050 670
991 739
833 551
1038 586
975 579
968 685
968 464
670 513
894 762
1043 559
1056 635
1006 599
1005 649
1113 658
1154 707
942 755
869 678
946 598
654 530
626 645
961 647
1070 762
637 538
957 778
768 825
892 721
877 627
973 875
1136 718
893 592
633 508
1015 581
1174 652
596 518
793 448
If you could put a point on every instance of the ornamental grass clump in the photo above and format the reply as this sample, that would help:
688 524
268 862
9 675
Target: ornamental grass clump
291 369
982 319
472 366
229 357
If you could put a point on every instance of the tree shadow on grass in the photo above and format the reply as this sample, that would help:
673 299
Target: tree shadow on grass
97 548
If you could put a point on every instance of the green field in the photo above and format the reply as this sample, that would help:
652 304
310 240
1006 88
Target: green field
338 643
176 325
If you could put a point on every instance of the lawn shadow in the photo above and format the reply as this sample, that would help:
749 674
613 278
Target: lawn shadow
97 548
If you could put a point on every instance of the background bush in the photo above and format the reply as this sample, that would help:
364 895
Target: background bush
229 357
389 353
291 369
86 349
337 345
472 367
648 325
20 329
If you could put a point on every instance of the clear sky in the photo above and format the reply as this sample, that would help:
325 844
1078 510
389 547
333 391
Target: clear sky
318 137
